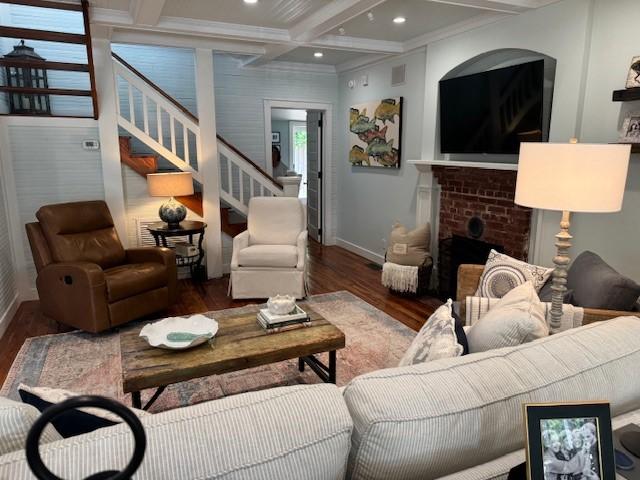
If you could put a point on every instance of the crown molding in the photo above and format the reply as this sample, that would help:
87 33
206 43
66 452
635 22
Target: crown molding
293 67
373 60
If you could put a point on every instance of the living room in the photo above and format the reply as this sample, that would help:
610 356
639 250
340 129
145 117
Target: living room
399 204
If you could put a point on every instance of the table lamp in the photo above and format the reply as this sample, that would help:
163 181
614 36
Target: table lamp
171 185
570 177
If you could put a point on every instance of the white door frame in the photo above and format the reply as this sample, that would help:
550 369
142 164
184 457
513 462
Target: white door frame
328 232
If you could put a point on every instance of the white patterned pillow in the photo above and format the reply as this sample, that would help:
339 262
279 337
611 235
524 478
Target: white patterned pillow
436 339
503 273
15 421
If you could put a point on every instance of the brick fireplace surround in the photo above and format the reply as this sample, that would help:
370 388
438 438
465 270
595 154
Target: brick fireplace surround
488 194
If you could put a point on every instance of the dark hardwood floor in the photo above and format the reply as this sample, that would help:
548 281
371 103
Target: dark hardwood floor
330 269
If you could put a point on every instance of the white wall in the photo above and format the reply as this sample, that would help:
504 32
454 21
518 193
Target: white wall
370 200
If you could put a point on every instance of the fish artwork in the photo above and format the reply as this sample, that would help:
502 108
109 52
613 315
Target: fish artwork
362 124
387 110
378 148
370 135
357 156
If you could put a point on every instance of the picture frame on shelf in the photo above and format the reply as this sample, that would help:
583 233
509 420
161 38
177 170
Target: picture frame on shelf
633 77
275 137
631 129
572 440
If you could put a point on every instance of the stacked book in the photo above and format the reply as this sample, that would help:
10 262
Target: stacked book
273 323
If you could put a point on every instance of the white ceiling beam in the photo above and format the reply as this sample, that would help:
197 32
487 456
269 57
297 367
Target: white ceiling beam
272 51
329 17
502 6
146 12
357 44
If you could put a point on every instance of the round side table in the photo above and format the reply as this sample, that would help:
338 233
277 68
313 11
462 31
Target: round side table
161 231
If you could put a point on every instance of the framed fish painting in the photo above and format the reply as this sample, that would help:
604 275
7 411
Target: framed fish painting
375 133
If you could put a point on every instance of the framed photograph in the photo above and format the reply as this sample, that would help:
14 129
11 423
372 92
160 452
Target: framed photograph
633 79
631 129
569 441
275 137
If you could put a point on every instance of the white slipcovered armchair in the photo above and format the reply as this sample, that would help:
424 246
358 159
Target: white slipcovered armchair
269 258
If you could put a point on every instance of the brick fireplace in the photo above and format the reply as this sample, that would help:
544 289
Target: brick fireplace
486 195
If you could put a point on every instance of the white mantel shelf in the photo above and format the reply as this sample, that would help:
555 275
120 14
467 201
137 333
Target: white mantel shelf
420 164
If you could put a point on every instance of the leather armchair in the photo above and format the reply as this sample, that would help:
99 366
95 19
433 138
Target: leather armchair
86 279
269 258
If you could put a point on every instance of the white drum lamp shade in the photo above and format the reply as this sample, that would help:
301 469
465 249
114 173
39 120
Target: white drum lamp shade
572 177
170 184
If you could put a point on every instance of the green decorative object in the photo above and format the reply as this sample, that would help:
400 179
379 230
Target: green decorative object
181 336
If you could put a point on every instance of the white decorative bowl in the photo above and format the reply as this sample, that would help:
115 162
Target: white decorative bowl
281 304
179 333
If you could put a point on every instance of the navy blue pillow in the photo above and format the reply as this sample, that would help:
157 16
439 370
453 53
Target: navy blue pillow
70 423
462 337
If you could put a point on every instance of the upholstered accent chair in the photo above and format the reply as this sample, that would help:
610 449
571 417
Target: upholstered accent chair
86 278
269 258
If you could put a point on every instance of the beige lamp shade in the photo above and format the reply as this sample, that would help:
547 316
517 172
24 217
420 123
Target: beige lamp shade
170 184
571 177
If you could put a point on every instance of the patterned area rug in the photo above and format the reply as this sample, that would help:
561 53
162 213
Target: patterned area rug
87 363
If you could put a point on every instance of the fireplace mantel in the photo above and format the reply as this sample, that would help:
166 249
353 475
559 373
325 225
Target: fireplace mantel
423 164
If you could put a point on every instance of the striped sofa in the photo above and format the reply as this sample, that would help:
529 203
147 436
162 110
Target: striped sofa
453 418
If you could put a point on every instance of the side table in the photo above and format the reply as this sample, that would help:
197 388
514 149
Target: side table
161 231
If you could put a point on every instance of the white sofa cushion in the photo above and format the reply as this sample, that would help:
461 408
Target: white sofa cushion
268 256
516 318
433 419
291 432
16 419
275 220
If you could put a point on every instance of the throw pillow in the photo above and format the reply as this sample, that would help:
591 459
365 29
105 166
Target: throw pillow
410 248
73 422
15 421
436 339
516 318
596 284
503 273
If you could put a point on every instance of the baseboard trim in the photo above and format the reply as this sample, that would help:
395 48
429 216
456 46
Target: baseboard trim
6 317
358 250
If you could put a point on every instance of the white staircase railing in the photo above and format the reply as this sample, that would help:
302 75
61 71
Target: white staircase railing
171 131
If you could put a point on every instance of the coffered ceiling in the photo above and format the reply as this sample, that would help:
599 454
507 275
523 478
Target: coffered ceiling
347 33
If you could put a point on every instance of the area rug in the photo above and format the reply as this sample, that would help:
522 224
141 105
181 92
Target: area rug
88 363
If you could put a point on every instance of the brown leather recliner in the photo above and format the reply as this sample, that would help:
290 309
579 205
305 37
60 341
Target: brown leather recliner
86 279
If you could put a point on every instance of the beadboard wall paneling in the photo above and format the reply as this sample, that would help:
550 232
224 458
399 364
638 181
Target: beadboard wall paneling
50 166
8 281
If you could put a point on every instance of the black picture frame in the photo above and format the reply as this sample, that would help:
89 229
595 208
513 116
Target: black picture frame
538 420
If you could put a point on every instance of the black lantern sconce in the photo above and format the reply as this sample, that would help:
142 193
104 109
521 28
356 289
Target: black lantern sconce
26 73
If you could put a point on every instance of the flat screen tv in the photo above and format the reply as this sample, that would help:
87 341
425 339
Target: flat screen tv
493 111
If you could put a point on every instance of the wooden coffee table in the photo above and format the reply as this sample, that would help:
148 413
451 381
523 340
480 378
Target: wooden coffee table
239 344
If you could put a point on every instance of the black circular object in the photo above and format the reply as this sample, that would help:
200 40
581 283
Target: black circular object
624 462
475 227
631 441
38 467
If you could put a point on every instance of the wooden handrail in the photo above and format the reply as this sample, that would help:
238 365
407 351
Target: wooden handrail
89 47
46 4
248 160
177 104
184 110
70 67
46 91
45 35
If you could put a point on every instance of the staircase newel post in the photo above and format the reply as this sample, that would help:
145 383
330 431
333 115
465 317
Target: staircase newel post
108 126
208 161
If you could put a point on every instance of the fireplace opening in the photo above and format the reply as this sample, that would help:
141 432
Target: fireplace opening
455 251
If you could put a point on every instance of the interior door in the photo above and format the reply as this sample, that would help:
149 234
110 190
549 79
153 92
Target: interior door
314 174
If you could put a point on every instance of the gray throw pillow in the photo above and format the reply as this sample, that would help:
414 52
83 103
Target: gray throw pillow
546 293
595 284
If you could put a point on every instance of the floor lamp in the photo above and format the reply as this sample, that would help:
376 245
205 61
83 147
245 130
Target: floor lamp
570 177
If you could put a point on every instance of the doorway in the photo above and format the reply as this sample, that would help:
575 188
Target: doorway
298 136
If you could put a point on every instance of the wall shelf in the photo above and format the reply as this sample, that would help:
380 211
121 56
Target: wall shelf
626 95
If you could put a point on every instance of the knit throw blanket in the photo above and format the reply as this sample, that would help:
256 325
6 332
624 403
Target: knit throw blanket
400 278
477 306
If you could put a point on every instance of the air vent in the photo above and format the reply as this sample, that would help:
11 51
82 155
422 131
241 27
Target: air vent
398 75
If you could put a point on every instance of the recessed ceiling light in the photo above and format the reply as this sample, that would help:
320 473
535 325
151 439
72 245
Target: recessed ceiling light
318 54
342 31
399 20
251 1
371 17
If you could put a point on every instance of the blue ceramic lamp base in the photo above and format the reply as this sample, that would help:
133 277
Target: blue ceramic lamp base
172 213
